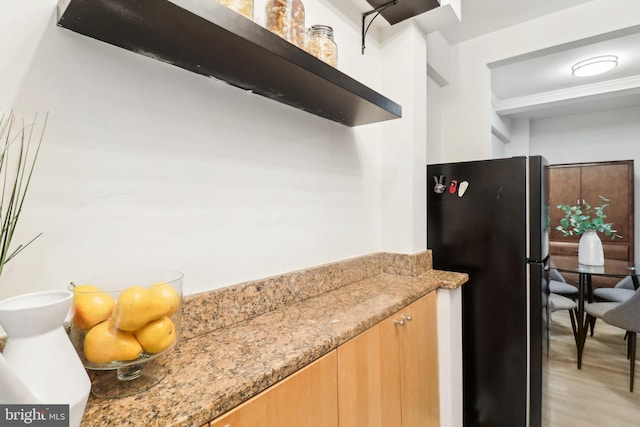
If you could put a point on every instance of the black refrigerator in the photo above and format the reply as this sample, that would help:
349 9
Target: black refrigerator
490 219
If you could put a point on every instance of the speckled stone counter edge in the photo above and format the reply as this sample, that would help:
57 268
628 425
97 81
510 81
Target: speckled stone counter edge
223 307
220 308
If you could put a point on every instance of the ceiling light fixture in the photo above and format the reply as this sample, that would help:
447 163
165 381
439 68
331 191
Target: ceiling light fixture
593 66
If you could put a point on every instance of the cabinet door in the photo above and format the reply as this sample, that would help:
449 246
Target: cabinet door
574 184
564 188
307 398
369 378
419 364
612 182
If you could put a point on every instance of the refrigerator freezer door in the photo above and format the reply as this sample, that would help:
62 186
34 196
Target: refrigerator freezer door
538 290
484 234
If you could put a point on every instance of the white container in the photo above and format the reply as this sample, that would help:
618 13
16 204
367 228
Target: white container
39 364
590 249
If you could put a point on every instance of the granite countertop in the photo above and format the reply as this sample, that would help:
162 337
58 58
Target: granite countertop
209 374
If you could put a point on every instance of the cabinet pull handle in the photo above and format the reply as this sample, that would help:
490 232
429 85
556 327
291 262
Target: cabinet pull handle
403 318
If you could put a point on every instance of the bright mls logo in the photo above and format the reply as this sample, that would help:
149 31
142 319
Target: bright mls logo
34 415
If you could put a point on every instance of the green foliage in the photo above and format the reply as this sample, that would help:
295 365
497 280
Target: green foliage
17 159
579 219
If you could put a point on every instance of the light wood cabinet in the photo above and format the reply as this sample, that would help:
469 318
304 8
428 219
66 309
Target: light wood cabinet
368 378
388 375
579 182
419 365
307 398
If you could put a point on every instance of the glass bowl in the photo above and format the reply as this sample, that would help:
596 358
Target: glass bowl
123 321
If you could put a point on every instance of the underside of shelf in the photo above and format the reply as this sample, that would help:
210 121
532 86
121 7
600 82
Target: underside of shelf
404 9
210 39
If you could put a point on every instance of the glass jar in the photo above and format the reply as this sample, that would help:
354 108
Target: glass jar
286 19
243 7
320 44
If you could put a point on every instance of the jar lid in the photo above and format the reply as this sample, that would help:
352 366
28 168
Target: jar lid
320 30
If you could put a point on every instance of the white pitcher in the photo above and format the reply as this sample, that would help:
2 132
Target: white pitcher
39 364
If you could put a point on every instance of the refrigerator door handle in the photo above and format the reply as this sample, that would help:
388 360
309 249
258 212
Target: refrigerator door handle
543 261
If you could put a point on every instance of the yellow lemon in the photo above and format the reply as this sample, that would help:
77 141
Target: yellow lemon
91 306
157 335
168 293
136 306
105 343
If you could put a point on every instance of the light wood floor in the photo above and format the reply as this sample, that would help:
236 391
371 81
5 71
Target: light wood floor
596 395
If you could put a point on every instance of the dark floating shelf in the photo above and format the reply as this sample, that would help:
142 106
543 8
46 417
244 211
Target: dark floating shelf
212 40
405 9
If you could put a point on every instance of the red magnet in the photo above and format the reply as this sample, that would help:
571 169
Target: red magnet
453 186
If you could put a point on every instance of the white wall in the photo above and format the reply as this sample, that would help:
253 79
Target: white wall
403 159
519 138
23 24
145 165
497 147
589 137
434 122
466 102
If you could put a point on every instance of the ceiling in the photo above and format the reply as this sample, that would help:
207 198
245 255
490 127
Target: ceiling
485 16
540 84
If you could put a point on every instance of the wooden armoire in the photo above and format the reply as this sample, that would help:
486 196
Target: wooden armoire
575 183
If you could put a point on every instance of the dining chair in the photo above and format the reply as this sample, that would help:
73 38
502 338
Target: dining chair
622 291
558 302
624 315
555 302
558 285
